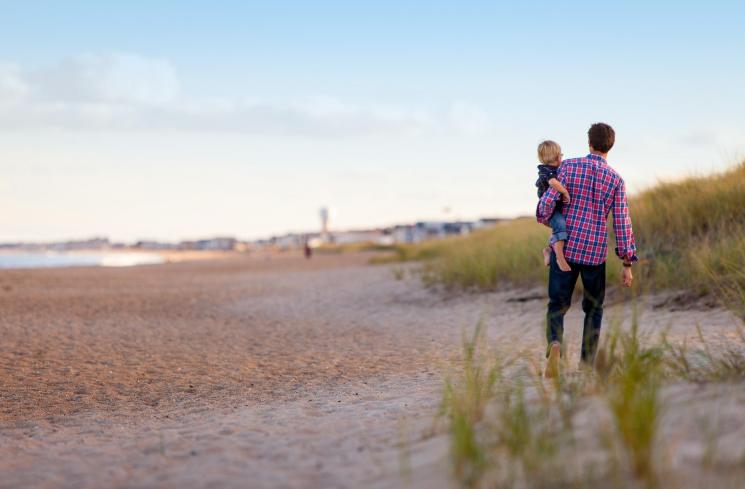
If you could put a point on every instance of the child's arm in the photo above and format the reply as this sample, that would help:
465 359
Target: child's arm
560 188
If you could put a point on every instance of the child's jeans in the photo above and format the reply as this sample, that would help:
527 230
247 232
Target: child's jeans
558 227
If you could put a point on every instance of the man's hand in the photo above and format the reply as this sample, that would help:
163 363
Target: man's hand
627 277
565 197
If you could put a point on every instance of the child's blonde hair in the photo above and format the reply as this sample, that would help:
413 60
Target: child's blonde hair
548 152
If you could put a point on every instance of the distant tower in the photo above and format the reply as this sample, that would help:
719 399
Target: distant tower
325 214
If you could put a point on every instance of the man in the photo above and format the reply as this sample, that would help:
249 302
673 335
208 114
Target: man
596 190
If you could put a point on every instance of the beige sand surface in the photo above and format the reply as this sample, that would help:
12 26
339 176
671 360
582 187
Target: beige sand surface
258 371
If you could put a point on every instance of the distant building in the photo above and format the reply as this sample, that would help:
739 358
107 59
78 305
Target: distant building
154 245
87 244
212 244
325 215
424 230
486 222
287 241
401 233
404 233
361 236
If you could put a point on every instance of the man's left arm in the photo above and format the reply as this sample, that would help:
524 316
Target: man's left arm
625 241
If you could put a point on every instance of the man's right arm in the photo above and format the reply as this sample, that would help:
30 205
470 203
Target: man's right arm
556 185
547 204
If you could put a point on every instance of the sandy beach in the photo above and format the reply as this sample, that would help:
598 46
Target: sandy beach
263 371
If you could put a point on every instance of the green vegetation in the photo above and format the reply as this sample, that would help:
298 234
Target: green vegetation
509 427
632 374
701 365
410 252
688 233
332 248
464 402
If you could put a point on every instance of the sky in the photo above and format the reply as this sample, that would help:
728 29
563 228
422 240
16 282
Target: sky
175 120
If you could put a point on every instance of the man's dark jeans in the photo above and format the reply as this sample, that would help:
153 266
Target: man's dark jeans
560 289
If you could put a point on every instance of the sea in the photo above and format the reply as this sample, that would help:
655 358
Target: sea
54 259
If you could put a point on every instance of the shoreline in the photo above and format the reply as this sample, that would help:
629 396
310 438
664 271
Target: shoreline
108 258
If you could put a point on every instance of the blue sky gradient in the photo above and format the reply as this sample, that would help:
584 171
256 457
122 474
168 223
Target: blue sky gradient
173 120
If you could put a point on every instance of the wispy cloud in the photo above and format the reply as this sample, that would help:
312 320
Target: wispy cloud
114 78
12 85
131 92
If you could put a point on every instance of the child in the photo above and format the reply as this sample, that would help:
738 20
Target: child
549 154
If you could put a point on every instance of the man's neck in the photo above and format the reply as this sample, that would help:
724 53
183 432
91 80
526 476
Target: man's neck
598 153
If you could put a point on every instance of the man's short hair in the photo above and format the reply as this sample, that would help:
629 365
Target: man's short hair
601 137
548 152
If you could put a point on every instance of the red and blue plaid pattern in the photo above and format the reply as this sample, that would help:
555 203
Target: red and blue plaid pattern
595 190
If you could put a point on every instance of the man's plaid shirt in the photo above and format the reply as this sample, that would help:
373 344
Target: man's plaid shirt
595 190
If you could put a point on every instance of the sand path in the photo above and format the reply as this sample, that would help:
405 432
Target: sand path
248 372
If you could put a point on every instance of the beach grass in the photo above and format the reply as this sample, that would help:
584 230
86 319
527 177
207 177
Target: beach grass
690 235
589 428
631 374
701 364
464 402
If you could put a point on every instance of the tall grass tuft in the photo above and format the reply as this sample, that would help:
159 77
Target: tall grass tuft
529 435
702 364
632 373
599 427
464 403
509 429
505 431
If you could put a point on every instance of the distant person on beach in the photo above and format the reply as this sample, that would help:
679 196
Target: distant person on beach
549 154
596 190
307 250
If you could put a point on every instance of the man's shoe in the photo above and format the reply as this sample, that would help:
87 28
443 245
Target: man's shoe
554 357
